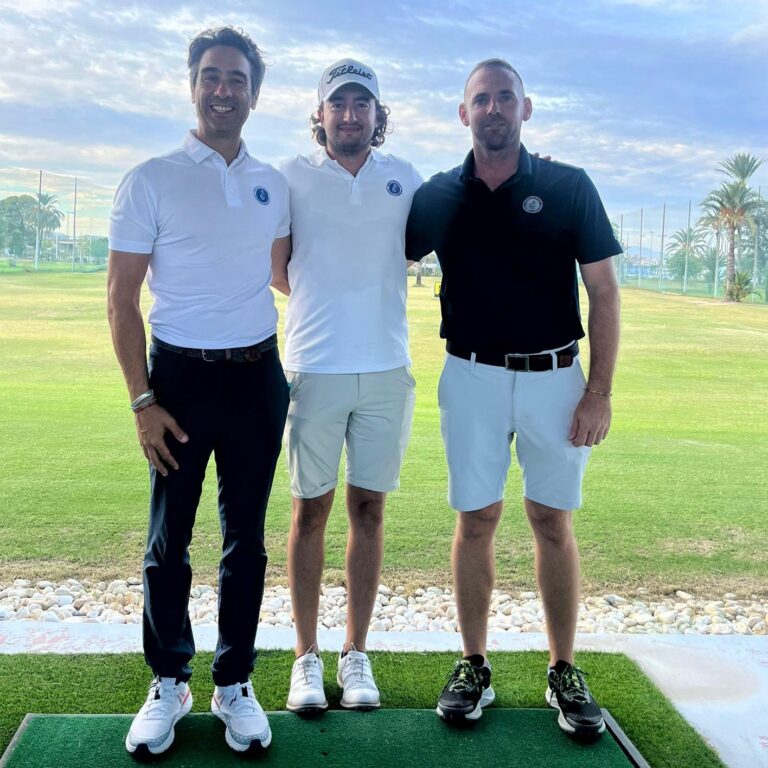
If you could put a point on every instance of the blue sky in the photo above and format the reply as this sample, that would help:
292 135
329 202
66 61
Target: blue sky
647 95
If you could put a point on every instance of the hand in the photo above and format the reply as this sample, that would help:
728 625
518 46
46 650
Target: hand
591 420
545 157
151 424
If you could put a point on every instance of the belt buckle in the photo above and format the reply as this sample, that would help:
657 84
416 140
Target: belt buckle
517 357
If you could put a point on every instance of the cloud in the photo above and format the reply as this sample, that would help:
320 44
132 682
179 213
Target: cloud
646 95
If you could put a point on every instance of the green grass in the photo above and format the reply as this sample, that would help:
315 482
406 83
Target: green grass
117 684
675 498
7 267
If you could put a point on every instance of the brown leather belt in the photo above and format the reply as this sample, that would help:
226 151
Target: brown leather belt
235 355
514 362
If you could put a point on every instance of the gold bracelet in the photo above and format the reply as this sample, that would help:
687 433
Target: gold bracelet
598 392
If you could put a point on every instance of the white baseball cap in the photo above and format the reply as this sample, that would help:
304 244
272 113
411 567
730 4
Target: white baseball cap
344 72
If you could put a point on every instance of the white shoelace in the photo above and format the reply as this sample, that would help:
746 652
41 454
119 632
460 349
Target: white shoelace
242 699
307 666
159 699
359 667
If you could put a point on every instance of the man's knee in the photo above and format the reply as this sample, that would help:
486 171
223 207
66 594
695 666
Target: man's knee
311 515
479 525
366 508
550 525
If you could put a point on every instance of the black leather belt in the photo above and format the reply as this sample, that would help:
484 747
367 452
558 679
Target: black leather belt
514 362
236 355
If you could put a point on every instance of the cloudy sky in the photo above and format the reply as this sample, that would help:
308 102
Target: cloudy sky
647 95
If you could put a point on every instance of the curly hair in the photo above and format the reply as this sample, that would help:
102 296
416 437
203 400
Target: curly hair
234 38
379 132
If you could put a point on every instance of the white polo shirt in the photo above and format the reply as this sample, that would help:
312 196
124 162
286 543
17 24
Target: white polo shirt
209 229
346 311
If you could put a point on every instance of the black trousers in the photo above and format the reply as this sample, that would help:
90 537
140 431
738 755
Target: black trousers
235 410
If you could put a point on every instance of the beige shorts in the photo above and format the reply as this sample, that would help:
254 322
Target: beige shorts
369 413
484 407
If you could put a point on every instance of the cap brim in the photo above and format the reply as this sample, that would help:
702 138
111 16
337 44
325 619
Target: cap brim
349 82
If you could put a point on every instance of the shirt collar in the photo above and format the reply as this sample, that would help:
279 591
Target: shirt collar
199 152
524 168
320 157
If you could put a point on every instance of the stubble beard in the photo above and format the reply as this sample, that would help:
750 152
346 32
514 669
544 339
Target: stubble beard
349 147
496 141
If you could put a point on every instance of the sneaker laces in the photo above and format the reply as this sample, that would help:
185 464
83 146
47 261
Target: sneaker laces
464 677
357 665
243 699
157 703
306 665
572 685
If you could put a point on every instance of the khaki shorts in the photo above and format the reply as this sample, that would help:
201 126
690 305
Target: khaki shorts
369 413
484 407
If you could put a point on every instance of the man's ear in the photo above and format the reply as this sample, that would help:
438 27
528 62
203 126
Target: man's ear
254 100
463 116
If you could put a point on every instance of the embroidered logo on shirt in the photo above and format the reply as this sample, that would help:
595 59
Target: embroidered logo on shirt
261 195
394 188
532 204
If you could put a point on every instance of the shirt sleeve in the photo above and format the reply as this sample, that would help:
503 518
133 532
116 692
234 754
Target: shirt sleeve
418 234
133 221
595 239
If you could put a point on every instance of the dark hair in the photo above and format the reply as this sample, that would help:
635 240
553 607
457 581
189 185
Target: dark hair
500 63
379 132
233 38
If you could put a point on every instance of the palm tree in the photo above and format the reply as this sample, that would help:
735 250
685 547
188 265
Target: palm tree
735 205
741 166
50 215
684 252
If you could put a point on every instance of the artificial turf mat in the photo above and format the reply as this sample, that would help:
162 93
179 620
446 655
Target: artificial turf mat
94 684
382 739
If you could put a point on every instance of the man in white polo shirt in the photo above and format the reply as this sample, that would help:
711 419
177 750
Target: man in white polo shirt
201 224
346 361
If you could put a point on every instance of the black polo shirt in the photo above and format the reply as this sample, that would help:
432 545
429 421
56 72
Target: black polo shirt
509 255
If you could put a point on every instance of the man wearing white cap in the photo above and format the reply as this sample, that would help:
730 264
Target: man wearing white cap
346 362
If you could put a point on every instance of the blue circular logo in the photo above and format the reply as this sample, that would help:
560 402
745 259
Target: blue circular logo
394 188
261 195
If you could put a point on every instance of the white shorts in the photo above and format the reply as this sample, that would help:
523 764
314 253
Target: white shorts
369 412
483 407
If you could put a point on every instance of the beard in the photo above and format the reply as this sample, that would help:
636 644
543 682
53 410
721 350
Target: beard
495 136
349 144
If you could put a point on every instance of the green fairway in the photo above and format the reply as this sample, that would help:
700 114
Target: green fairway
675 498
117 684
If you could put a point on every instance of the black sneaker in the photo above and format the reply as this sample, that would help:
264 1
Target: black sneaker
467 691
580 714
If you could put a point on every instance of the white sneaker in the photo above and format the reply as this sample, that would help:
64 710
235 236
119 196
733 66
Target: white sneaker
247 725
152 730
307 694
354 675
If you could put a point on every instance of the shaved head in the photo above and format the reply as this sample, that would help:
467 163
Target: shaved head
501 64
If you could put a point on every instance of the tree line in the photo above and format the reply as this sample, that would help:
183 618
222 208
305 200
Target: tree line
733 216
26 219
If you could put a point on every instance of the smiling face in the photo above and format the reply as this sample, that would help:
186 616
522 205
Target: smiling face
495 108
349 120
222 94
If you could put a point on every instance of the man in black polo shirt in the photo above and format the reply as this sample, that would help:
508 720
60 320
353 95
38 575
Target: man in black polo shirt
508 230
